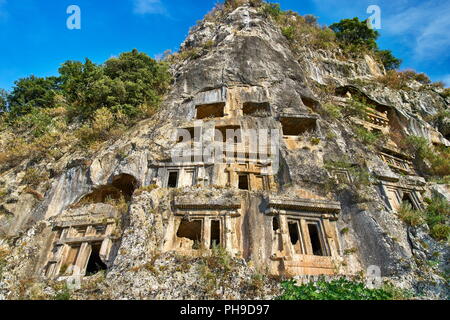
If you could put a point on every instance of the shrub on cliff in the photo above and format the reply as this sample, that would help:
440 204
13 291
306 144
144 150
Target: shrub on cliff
434 160
341 289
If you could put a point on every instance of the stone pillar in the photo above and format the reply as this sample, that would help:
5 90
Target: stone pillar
206 235
306 237
284 229
83 258
330 237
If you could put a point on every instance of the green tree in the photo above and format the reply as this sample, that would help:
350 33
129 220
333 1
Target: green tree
355 32
387 58
83 87
121 84
32 92
136 79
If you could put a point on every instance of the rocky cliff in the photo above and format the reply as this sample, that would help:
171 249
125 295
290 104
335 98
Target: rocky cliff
325 201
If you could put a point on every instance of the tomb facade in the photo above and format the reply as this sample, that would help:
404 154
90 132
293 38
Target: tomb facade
397 161
305 239
396 191
195 227
83 241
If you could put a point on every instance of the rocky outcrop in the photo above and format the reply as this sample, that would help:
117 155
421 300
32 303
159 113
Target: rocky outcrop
250 64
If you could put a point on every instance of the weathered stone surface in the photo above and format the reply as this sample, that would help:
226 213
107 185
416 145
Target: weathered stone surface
250 62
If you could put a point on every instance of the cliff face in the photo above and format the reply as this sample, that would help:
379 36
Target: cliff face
322 203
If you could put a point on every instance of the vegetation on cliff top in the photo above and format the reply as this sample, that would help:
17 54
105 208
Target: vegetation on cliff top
82 107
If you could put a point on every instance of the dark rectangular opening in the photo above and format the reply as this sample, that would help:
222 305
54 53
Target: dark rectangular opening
294 235
276 224
191 230
243 182
173 179
314 235
297 126
231 134
215 234
255 109
95 263
213 110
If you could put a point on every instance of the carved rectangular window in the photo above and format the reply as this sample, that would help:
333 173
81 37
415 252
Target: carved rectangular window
244 182
316 238
294 235
172 181
213 110
215 234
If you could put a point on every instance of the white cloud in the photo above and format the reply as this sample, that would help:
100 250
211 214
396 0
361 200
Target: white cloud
423 28
148 7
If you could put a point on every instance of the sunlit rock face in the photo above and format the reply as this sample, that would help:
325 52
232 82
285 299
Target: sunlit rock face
285 207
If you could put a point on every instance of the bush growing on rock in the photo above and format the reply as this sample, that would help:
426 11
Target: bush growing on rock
341 289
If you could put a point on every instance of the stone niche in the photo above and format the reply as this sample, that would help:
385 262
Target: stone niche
296 125
256 109
181 175
210 111
82 241
210 104
397 161
196 227
304 236
250 176
396 192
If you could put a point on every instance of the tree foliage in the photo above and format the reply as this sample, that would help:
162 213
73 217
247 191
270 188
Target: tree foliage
388 60
355 32
355 35
122 84
32 92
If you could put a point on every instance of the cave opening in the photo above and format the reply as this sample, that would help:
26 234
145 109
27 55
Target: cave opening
126 184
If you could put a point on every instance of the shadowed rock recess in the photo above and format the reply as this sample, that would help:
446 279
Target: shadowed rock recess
324 201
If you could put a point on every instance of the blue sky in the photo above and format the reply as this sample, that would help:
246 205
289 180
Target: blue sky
34 38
